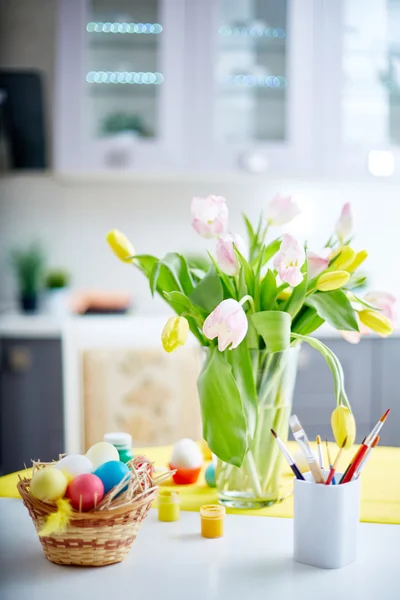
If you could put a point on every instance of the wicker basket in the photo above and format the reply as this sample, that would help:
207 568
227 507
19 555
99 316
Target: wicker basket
100 537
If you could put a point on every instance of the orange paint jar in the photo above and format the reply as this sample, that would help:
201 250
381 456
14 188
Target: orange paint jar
212 520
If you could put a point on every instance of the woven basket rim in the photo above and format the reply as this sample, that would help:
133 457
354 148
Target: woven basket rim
50 507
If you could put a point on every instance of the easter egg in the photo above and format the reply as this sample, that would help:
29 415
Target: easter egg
101 453
210 475
85 491
48 484
73 465
186 455
111 473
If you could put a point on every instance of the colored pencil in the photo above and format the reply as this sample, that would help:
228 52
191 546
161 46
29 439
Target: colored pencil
333 467
288 457
364 449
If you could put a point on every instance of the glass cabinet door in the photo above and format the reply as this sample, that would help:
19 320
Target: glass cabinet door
251 71
121 83
254 82
123 67
362 42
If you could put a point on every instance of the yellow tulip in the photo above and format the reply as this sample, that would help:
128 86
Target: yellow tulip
285 294
175 333
345 258
120 244
343 425
332 280
376 321
358 260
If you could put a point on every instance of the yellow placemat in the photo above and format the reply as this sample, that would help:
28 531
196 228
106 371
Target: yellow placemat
380 486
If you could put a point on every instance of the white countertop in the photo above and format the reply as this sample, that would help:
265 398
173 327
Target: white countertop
103 327
172 561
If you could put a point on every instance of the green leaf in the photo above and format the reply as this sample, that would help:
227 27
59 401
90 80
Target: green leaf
307 321
271 250
242 370
297 297
223 415
171 273
268 291
145 262
356 299
274 328
252 236
333 363
229 288
208 293
247 271
335 309
184 304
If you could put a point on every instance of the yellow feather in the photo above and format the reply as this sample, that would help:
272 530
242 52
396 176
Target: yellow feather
57 522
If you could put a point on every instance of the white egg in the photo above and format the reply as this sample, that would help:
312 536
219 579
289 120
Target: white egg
73 465
101 453
186 455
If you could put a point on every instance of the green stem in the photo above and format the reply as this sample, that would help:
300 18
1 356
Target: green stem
251 469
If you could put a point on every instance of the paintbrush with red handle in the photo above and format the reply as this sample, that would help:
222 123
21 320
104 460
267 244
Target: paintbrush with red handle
333 467
363 449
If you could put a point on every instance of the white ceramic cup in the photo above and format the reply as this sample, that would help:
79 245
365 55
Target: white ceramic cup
326 519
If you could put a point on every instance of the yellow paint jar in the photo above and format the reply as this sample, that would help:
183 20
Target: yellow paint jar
169 508
212 520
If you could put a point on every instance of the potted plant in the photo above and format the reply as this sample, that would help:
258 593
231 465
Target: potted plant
250 310
56 284
28 265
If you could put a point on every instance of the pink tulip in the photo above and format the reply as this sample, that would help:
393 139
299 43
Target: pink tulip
382 300
280 210
344 226
385 302
318 262
228 322
289 261
226 257
210 216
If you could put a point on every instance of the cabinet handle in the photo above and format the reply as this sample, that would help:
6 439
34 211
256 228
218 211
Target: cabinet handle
19 359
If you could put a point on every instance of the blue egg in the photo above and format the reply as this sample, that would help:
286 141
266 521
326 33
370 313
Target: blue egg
210 475
111 473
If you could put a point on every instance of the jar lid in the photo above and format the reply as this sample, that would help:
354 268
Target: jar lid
119 439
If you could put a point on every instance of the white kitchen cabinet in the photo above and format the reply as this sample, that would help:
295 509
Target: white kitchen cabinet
203 85
120 94
359 97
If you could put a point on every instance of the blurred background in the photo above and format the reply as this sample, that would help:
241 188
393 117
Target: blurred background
115 113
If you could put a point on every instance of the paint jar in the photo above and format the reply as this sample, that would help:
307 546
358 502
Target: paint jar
212 520
326 519
169 508
122 442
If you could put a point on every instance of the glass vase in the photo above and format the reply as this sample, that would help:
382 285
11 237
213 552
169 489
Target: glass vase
256 483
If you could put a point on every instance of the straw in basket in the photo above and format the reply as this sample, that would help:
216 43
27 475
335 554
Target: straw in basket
104 535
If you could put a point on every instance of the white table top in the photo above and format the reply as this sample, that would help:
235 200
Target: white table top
172 561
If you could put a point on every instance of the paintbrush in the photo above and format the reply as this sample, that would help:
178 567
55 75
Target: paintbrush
333 467
367 456
302 439
329 461
363 449
319 448
288 457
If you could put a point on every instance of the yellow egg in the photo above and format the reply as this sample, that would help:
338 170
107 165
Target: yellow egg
48 484
101 453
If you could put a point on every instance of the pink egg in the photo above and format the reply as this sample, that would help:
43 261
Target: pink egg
85 491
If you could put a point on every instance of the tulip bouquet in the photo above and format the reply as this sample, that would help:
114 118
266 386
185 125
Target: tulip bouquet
250 306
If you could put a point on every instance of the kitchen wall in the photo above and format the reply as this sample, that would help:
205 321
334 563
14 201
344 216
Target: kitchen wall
71 217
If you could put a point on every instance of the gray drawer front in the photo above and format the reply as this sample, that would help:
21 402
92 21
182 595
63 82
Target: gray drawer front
386 389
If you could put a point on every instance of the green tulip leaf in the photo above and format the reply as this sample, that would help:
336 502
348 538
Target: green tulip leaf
223 414
246 272
208 293
268 291
242 370
335 308
171 273
274 328
307 321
